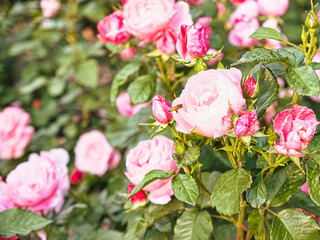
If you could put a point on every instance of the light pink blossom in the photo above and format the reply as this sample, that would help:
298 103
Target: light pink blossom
239 35
123 103
204 21
245 12
128 53
216 59
49 7
273 7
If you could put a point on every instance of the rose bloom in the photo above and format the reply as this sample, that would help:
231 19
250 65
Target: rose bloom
5 201
123 103
15 132
245 12
150 155
193 41
239 35
273 7
111 29
40 183
93 154
205 102
204 21
215 60
194 2
160 109
296 128
49 7
247 124
128 53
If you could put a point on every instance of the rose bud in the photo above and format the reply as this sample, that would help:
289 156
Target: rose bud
250 86
247 124
296 128
138 197
194 2
273 7
312 20
128 53
160 109
111 29
76 176
193 41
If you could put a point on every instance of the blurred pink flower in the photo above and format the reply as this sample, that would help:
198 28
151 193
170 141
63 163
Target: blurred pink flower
49 7
123 103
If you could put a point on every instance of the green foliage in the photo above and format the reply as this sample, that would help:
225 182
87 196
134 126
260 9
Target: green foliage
257 225
257 193
270 33
87 73
185 188
188 157
142 89
313 180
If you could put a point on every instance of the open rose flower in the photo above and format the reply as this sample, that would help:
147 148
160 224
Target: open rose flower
239 35
273 7
205 102
245 12
49 7
40 183
247 124
150 155
123 103
296 128
111 29
15 132
93 154
160 109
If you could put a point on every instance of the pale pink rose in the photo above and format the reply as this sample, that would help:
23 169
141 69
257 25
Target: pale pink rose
221 9
193 41
166 41
194 2
160 109
150 155
15 132
40 183
239 35
273 7
304 188
5 201
182 16
205 102
270 113
204 21
215 60
247 124
111 29
245 12
128 53
250 86
296 128
123 103
271 43
49 7
115 160
93 153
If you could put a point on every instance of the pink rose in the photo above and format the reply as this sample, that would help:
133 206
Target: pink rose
245 12
150 155
166 41
111 29
160 109
138 197
128 53
93 153
5 201
296 128
204 21
49 7
181 16
304 188
193 41
215 60
15 134
270 113
194 2
76 176
40 183
247 124
239 35
270 43
221 9
250 86
237 2
12 238
273 7
123 103
115 160
205 102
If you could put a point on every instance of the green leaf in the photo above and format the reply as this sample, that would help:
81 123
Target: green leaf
193 225
209 180
142 89
32 86
295 56
303 80
257 194
185 188
302 200
226 194
151 177
121 78
283 183
87 73
269 33
103 234
188 157
292 224
70 212
261 55
313 180
315 65
256 225
268 90
16 221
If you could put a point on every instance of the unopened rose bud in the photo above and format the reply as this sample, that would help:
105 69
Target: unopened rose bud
138 197
76 176
128 53
312 21
250 87
160 109
200 65
247 124
304 36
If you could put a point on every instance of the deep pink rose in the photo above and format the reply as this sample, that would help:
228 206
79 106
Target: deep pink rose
12 238
49 7
15 132
204 21
193 41
296 128
160 109
76 176
40 183
273 7
93 153
216 59
128 53
245 12
111 29
250 86
205 102
239 35
138 197
247 124
123 103
194 2
271 43
150 155
304 188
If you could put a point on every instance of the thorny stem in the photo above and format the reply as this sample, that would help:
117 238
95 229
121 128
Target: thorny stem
240 234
